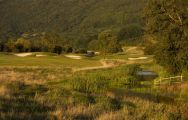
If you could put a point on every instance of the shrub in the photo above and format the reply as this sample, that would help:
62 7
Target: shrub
58 49
149 49
81 51
68 49
133 69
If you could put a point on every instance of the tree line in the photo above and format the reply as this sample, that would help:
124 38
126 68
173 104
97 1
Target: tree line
37 42
167 31
79 25
107 42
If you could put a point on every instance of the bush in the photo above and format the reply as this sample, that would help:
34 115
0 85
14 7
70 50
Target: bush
58 50
81 51
2 47
149 49
68 49
133 69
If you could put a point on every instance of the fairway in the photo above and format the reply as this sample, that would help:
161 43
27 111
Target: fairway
46 61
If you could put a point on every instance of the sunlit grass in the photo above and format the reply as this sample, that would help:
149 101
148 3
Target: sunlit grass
46 61
47 88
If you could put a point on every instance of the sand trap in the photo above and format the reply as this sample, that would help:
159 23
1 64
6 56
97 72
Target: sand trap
76 57
23 54
139 58
40 55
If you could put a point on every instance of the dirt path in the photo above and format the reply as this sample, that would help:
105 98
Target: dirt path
104 65
130 49
110 63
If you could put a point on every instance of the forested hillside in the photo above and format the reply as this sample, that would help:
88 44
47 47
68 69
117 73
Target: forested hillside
79 21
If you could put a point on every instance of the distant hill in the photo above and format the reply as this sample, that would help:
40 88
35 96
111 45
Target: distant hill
77 20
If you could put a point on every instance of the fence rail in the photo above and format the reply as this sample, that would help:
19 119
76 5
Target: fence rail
178 79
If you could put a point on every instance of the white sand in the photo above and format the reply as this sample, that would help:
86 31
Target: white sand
76 57
139 58
23 54
40 55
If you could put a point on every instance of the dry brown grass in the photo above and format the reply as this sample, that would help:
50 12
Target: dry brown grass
135 107
4 91
28 77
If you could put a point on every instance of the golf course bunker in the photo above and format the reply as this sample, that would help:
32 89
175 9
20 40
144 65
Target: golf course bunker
23 54
40 55
139 58
75 57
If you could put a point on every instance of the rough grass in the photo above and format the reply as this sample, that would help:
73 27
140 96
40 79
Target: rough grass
40 88
46 93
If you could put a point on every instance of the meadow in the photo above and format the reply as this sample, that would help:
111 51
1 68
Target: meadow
47 87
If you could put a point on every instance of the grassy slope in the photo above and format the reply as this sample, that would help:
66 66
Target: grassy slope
57 93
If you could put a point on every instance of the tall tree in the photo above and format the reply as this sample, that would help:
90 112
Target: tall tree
108 42
167 21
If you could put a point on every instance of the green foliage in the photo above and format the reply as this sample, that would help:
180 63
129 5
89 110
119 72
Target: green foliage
94 45
10 46
57 49
79 25
22 45
38 42
149 49
89 83
133 69
166 21
108 42
130 33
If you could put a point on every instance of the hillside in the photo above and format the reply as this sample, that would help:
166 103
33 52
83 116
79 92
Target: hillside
77 20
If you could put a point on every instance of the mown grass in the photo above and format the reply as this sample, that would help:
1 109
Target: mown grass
50 60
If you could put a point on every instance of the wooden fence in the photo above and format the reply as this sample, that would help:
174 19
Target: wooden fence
169 80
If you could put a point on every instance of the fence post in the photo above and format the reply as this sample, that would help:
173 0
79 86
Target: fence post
160 81
181 78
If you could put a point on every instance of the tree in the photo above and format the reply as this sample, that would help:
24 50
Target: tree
130 33
22 45
2 46
108 42
72 24
10 46
57 49
68 49
93 45
167 21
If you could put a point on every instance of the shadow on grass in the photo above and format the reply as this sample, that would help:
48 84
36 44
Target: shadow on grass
151 97
21 104
157 98
22 108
